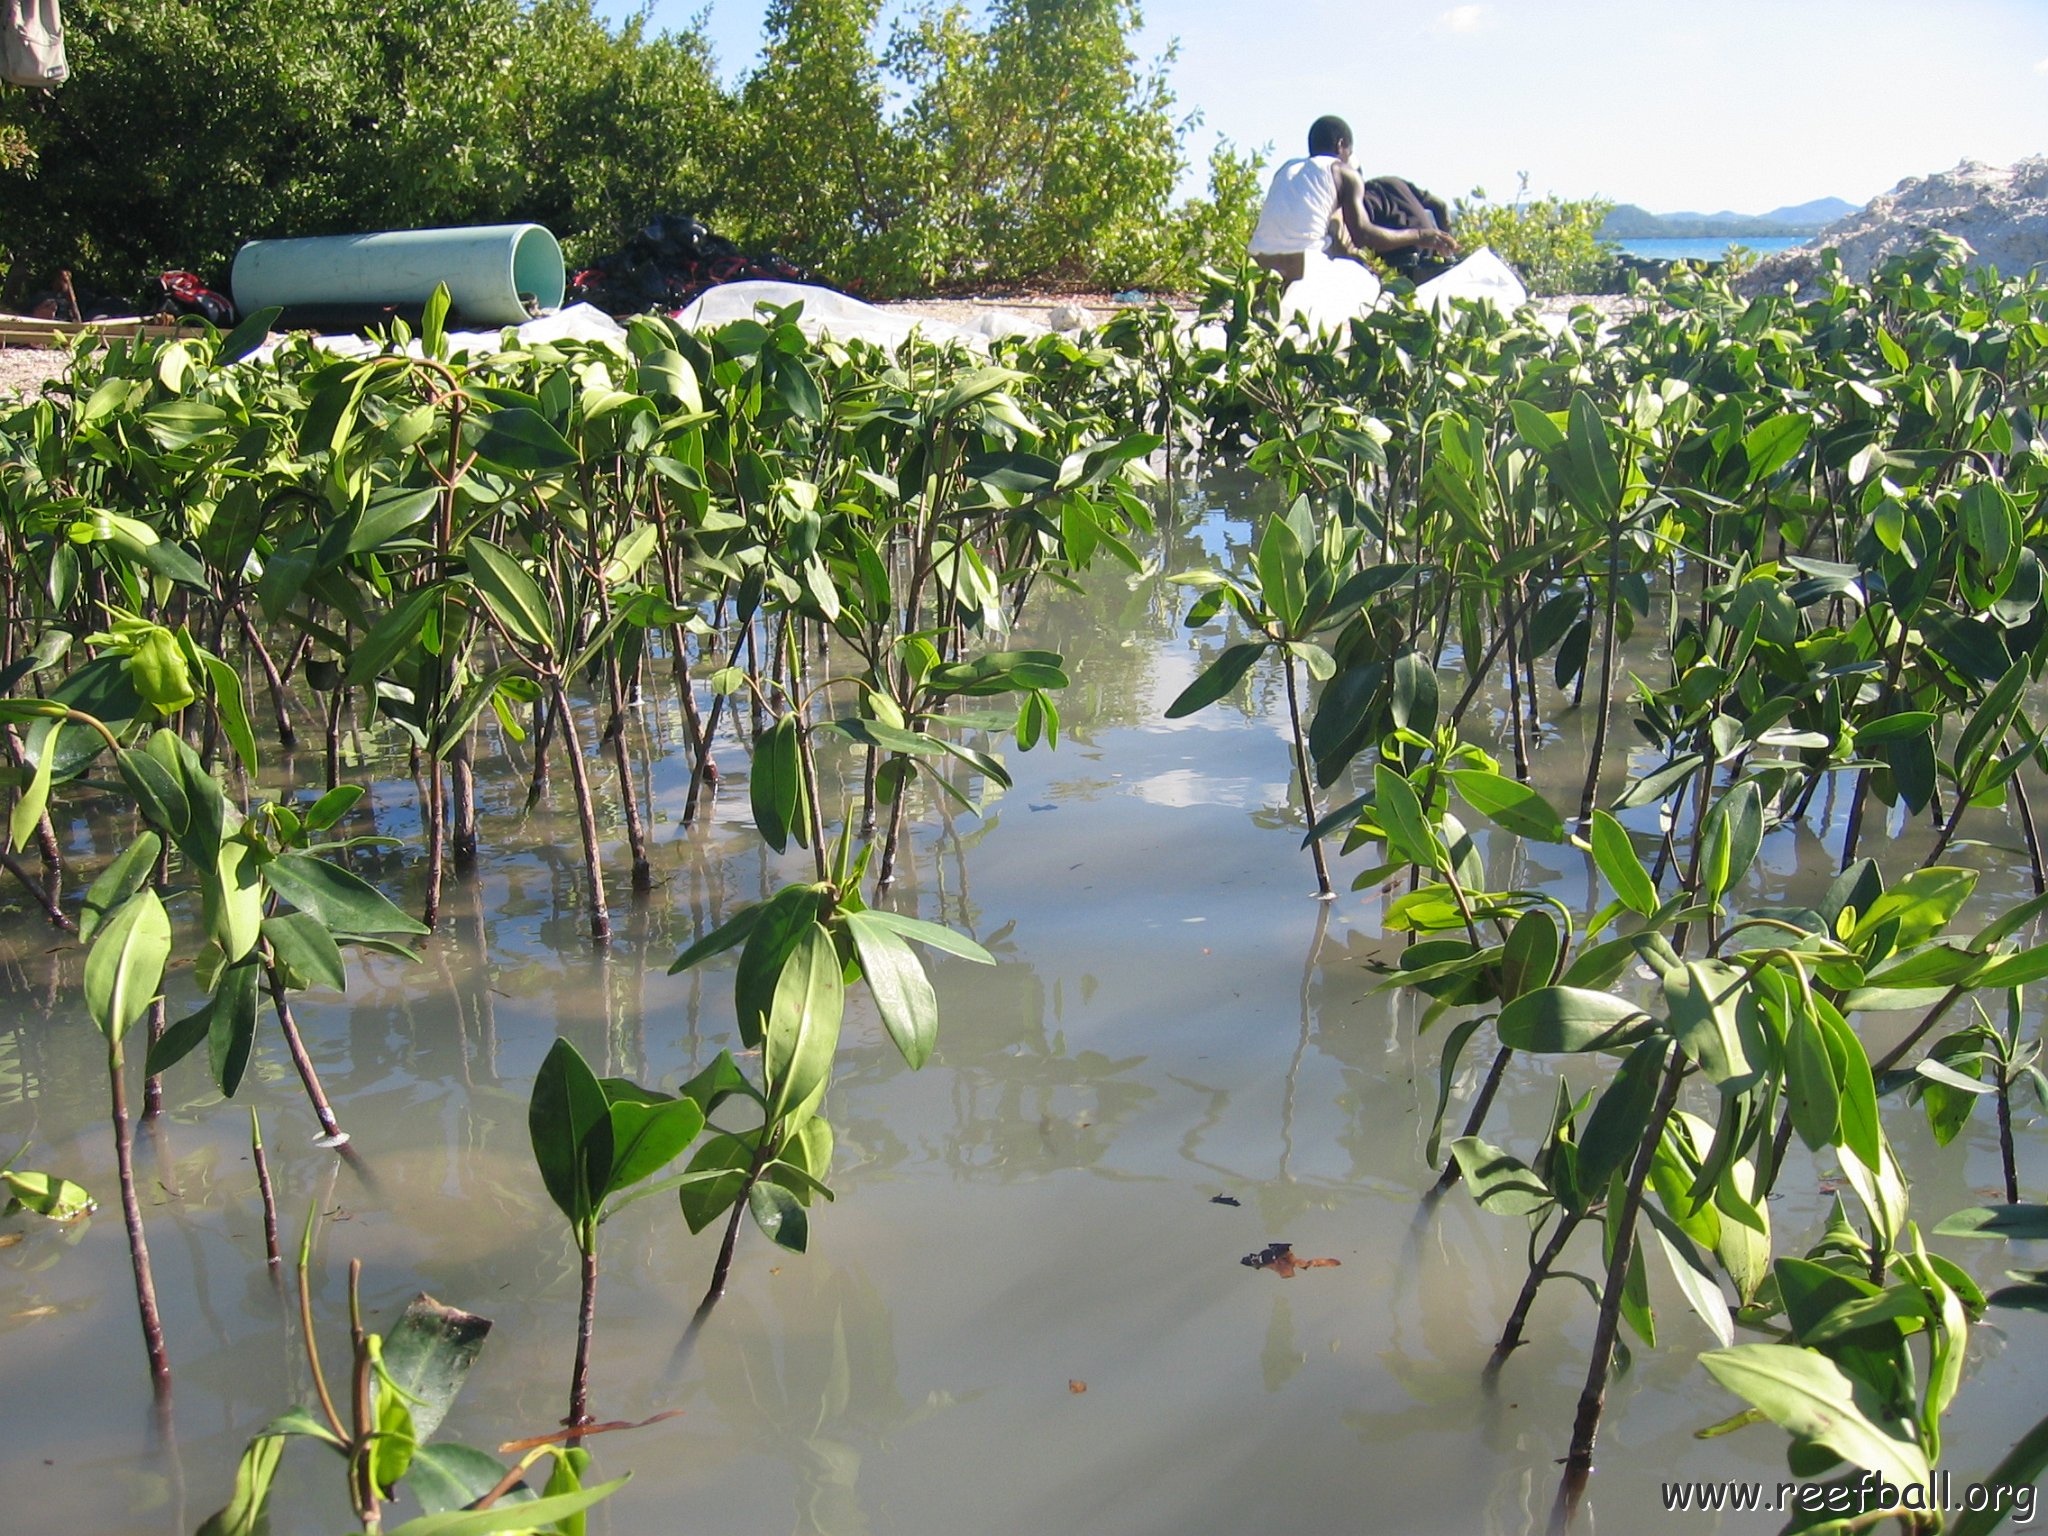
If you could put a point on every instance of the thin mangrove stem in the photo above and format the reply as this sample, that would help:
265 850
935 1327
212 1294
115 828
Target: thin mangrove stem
1593 1398
1511 1332
586 1326
586 816
138 1243
722 1271
330 1128
1308 791
271 1252
39 892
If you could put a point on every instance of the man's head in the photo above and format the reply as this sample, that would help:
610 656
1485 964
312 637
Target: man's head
1329 136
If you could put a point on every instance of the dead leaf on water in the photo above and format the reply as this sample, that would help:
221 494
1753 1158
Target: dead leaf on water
9 1239
521 1447
1077 1387
30 1313
1280 1259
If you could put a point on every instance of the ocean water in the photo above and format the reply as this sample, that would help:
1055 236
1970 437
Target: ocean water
1709 248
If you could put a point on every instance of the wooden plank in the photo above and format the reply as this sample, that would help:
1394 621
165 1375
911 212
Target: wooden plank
26 331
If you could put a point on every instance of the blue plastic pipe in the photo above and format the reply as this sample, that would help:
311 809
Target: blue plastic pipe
492 270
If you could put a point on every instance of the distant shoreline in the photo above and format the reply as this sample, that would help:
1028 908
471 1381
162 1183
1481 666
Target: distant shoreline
1704 247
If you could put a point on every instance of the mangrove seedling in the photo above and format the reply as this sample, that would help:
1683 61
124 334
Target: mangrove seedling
400 1387
593 1138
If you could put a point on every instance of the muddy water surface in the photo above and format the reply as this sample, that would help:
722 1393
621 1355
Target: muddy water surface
1026 1311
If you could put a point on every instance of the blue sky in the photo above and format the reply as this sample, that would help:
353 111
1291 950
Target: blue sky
1673 104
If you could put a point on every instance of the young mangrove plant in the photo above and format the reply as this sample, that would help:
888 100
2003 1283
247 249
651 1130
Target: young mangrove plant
594 1138
1306 581
798 949
399 1388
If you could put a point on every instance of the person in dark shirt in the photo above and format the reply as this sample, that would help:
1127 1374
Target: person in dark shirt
1393 202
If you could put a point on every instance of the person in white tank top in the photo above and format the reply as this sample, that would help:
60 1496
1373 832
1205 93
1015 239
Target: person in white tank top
1306 192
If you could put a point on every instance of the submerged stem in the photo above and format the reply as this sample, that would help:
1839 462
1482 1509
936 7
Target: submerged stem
1308 792
586 1326
138 1244
1593 1398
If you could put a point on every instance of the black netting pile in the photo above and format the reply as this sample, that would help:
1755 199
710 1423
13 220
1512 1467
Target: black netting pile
668 263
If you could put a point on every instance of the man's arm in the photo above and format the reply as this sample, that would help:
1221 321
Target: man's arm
1376 237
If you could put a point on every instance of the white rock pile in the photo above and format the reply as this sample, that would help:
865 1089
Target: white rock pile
2001 211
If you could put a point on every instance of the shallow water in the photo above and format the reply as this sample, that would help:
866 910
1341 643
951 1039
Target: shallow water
1026 1311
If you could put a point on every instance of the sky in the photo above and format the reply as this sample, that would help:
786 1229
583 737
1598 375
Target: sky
1695 105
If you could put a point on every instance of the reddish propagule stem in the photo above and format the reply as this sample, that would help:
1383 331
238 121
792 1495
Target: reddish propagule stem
361 1466
722 1271
586 1325
462 779
1593 1398
330 1128
1301 768
270 1248
586 816
138 1244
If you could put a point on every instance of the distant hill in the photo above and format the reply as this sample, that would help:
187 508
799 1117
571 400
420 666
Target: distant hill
1628 222
1821 211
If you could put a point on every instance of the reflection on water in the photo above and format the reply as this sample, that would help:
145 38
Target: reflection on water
1171 1019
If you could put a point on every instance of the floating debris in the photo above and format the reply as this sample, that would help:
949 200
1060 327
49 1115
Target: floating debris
1280 1259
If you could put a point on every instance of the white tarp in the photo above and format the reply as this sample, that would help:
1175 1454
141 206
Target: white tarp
1333 292
825 314
1330 294
1482 277
578 322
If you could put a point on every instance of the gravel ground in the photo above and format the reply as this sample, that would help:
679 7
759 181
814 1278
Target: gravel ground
24 370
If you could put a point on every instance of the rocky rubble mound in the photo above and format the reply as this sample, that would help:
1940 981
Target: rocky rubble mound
2001 211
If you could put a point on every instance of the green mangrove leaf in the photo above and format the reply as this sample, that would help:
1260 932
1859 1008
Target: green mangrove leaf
570 1126
245 1513
1811 1397
896 979
523 441
648 1136
445 1476
803 1025
514 597
1618 861
1499 1181
527 1515
1529 956
717 1173
427 1354
780 1215
2015 1223
1711 1013
1621 1117
775 786
1221 676
1553 1020
125 963
126 874
339 898
306 951
1508 803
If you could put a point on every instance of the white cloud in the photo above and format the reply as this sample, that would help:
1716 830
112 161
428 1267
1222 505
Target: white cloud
1463 18
2041 68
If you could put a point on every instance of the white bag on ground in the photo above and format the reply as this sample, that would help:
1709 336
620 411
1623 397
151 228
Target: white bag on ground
32 43
1482 277
1329 294
825 314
